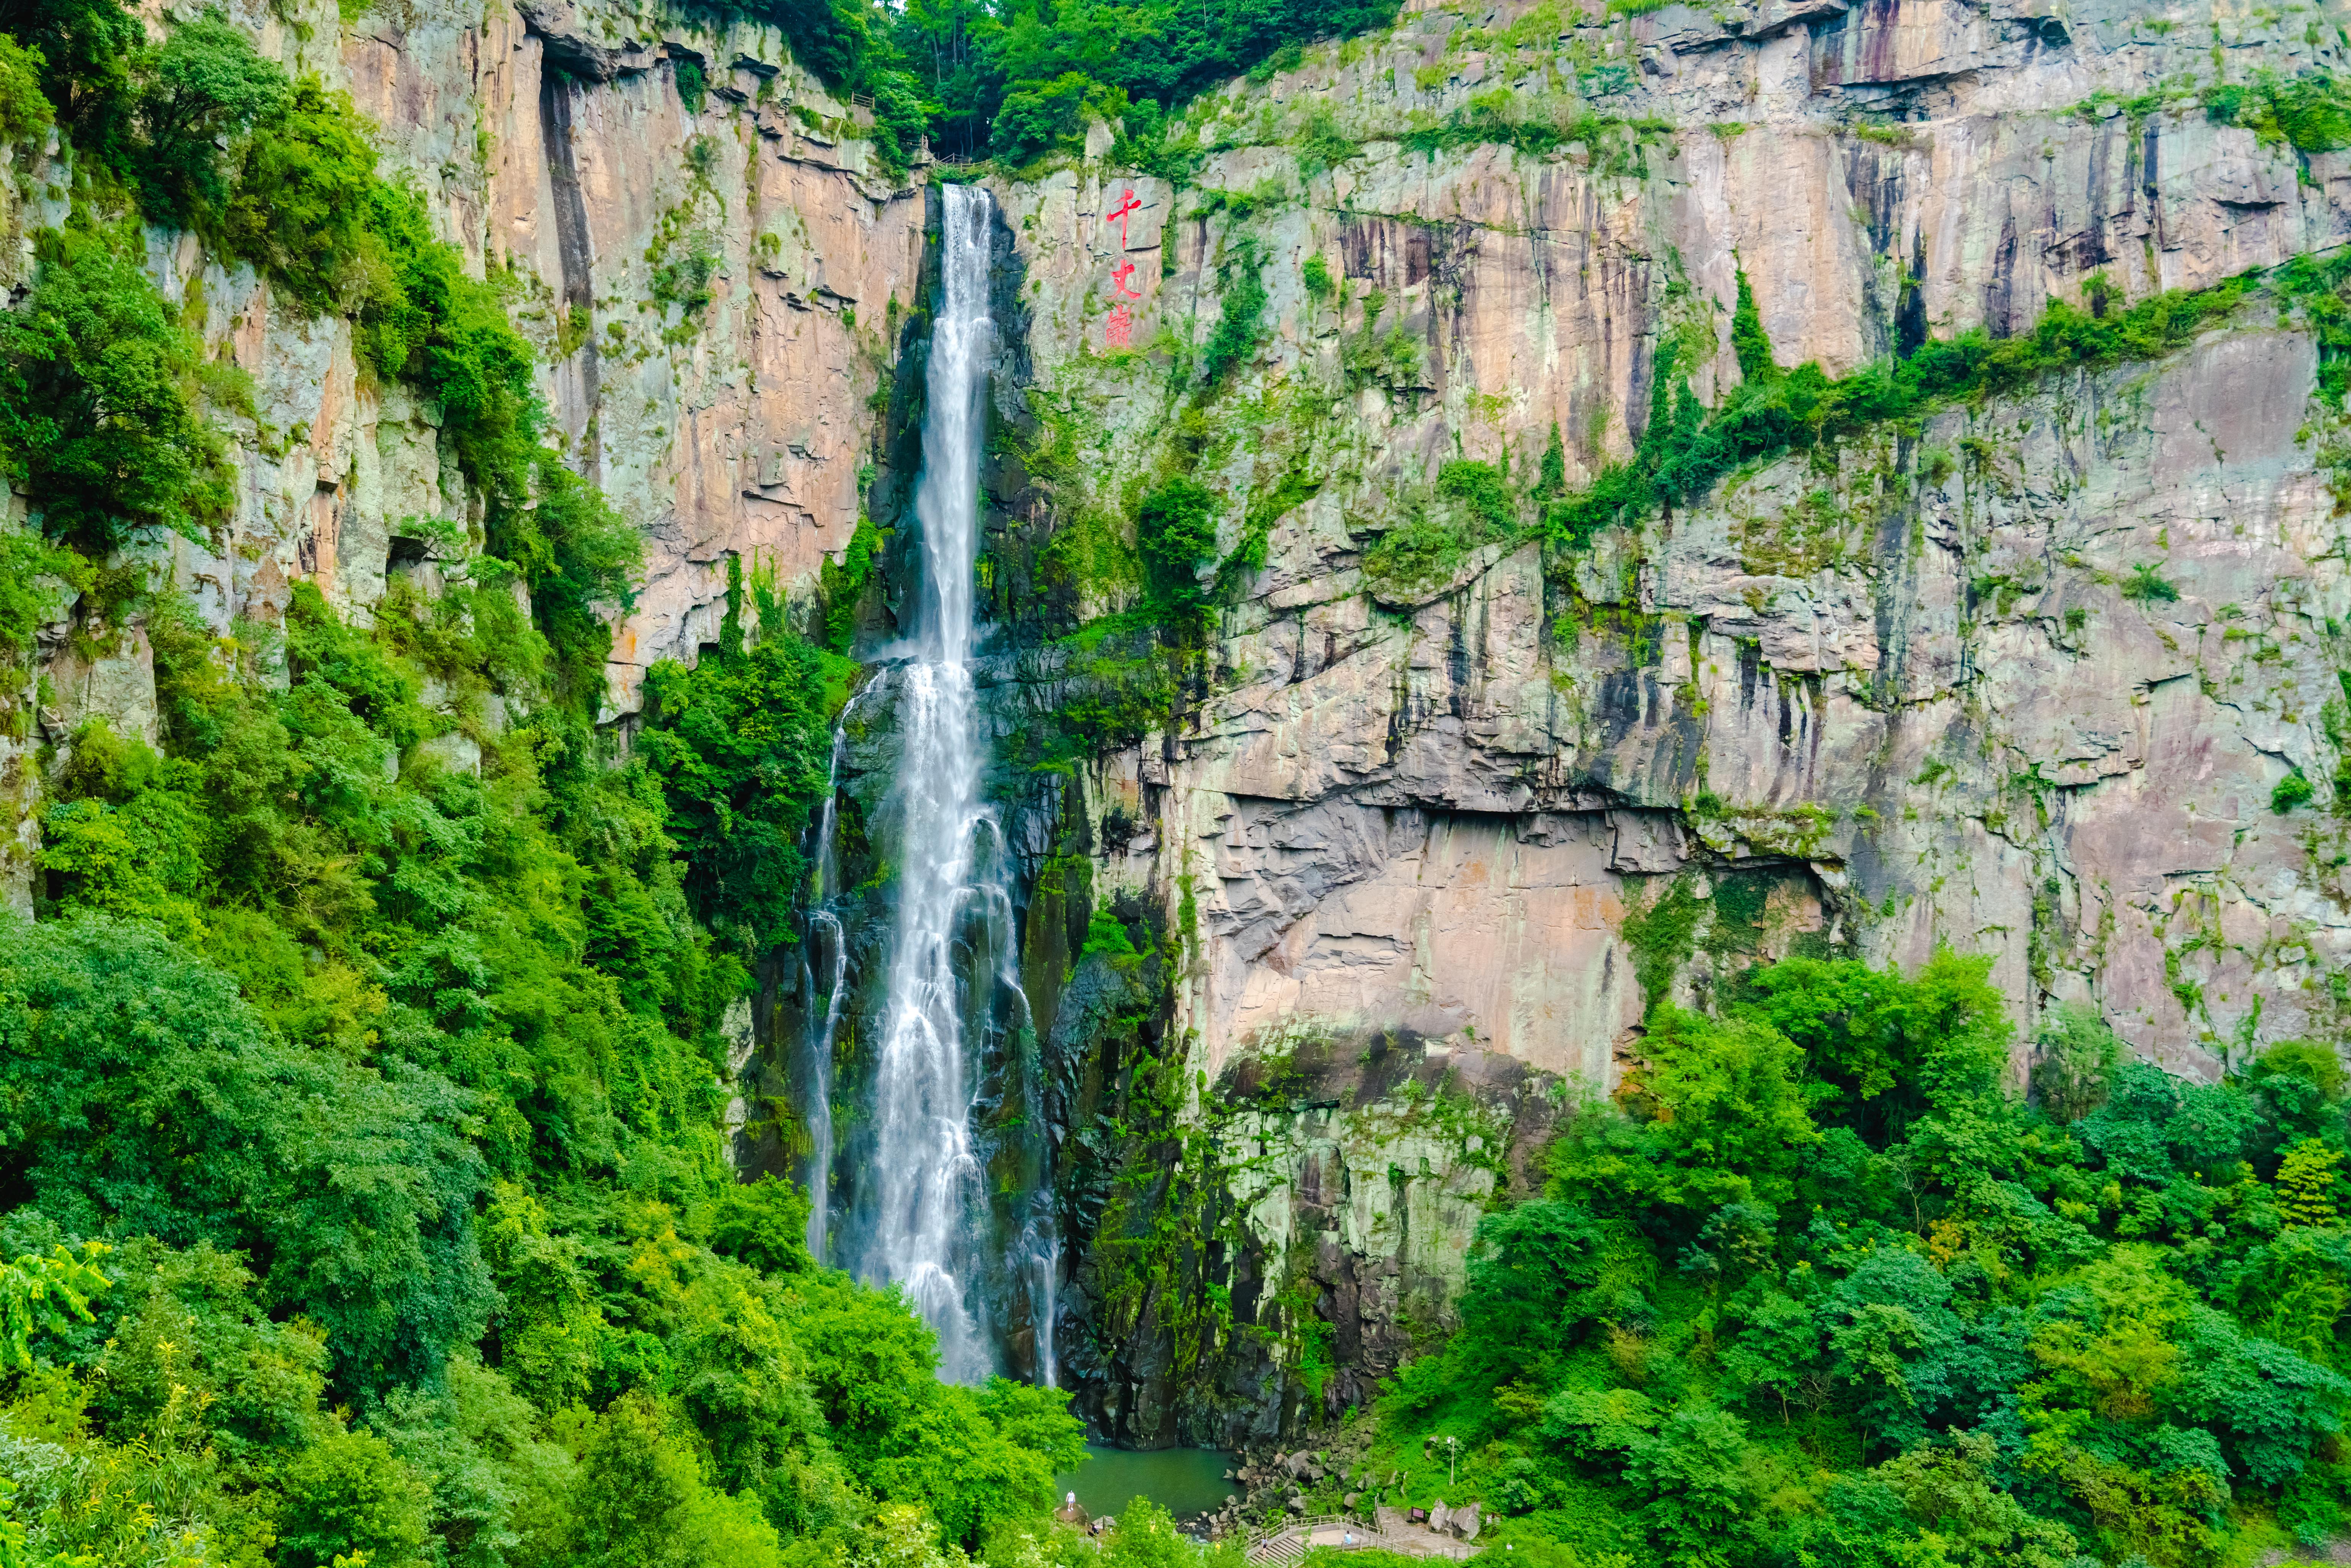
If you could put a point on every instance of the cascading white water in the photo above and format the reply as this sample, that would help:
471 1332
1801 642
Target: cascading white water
928 1176
818 1074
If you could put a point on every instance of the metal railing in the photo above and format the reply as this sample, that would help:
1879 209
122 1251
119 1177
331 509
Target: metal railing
1265 1535
1369 1532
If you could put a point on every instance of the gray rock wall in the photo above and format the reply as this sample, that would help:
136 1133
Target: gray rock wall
2020 680
552 145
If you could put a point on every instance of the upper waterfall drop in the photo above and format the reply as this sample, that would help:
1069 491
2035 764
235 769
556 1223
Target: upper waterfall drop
929 1189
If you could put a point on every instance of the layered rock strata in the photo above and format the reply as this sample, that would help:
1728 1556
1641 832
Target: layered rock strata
2023 678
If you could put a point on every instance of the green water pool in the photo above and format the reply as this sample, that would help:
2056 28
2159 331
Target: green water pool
1184 1481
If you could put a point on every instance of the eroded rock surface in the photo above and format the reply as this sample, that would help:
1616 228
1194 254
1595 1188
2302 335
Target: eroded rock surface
2022 678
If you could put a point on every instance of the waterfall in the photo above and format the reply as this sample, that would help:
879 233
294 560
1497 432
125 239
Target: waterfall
930 1193
815 1087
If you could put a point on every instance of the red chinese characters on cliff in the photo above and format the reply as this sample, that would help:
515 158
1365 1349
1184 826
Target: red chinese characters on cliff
1118 332
1127 205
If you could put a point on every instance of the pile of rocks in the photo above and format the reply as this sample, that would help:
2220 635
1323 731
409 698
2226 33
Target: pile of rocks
1219 1524
1292 1482
1461 1523
1304 1480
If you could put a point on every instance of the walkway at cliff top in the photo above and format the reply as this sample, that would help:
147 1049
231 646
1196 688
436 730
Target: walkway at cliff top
1291 1542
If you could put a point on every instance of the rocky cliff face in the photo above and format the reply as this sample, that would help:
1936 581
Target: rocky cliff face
555 147
2022 677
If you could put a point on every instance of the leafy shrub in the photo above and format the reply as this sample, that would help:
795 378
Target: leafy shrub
763 1224
582 559
2147 585
1482 488
831 37
1428 550
844 581
1116 676
1749 340
1159 52
96 420
2078 1053
25 113
1040 116
1176 532
740 745
1323 146
641 1499
1419 553
351 1189
1235 337
305 198
1684 449
203 90
2311 111
2293 790
682 279
1372 358
349 1494
1551 477
84 51
1741 1268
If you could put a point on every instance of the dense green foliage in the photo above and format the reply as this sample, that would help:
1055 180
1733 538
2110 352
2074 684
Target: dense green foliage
1475 505
394 1087
2310 112
361 1113
1016 79
740 744
1242 306
1175 533
1818 1288
1748 341
97 422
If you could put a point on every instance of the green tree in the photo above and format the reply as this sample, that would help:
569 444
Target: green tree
97 422
639 1501
741 747
1964 1518
85 49
203 90
764 1223
1692 1470
1719 1117
1749 340
303 196
143 1094
1037 117
25 112
2077 1053
349 1494
1175 533
46 1293
1243 300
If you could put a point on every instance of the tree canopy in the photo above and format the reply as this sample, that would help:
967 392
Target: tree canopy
1818 1285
